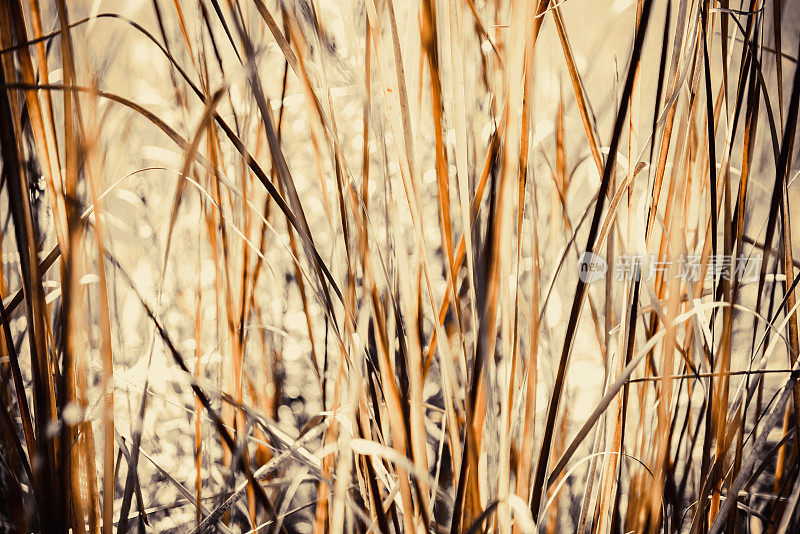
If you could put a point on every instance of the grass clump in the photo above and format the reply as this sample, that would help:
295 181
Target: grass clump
379 266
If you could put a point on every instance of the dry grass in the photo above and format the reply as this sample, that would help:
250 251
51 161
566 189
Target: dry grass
311 266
